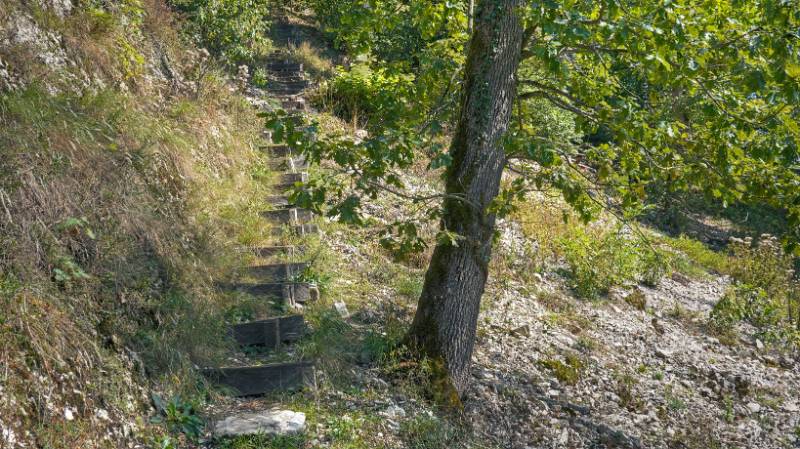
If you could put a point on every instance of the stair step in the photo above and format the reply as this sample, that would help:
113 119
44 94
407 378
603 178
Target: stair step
289 163
286 90
286 83
279 201
293 105
259 380
278 271
292 216
283 64
270 251
288 180
289 78
291 293
270 333
300 230
280 150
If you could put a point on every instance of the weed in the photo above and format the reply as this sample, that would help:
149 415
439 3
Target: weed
409 286
586 344
262 442
361 96
679 312
570 320
318 65
625 390
637 300
180 416
698 257
427 432
674 402
568 371
729 415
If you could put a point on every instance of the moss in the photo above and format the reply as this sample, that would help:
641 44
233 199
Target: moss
568 371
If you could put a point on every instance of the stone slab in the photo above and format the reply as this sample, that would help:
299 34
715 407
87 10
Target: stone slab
269 422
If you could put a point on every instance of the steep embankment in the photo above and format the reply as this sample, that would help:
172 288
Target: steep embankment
129 171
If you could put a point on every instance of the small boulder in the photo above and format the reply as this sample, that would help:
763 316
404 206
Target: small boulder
341 309
394 412
522 331
270 422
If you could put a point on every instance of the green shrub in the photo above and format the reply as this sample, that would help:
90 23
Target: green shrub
367 97
765 292
599 259
234 29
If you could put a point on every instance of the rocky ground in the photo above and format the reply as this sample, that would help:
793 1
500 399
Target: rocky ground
650 378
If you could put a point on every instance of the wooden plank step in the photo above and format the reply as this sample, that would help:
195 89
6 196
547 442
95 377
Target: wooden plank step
300 230
284 64
292 105
287 77
278 150
270 333
283 82
279 201
259 380
288 180
286 90
292 216
270 251
278 271
291 164
291 293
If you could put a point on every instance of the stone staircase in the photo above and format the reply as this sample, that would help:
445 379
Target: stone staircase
273 280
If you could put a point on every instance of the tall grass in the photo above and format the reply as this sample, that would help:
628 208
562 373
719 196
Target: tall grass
117 215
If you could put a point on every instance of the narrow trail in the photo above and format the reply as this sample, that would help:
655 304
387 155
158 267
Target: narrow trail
275 275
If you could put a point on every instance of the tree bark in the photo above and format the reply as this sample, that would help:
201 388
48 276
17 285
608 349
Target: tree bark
446 319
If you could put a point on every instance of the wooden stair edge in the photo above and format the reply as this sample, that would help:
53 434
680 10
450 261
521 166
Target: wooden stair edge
291 293
262 379
270 332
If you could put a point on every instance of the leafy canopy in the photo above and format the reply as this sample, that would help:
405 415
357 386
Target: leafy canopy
696 95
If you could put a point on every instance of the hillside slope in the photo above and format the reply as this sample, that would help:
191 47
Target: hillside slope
583 342
129 174
131 177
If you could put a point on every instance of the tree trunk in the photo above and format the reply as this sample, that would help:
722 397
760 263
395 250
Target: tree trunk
446 319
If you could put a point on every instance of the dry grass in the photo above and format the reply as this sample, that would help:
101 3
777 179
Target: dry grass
117 213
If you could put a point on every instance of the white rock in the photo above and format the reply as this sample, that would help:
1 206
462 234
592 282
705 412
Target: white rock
341 309
791 407
394 412
271 422
563 439
754 407
69 415
101 414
